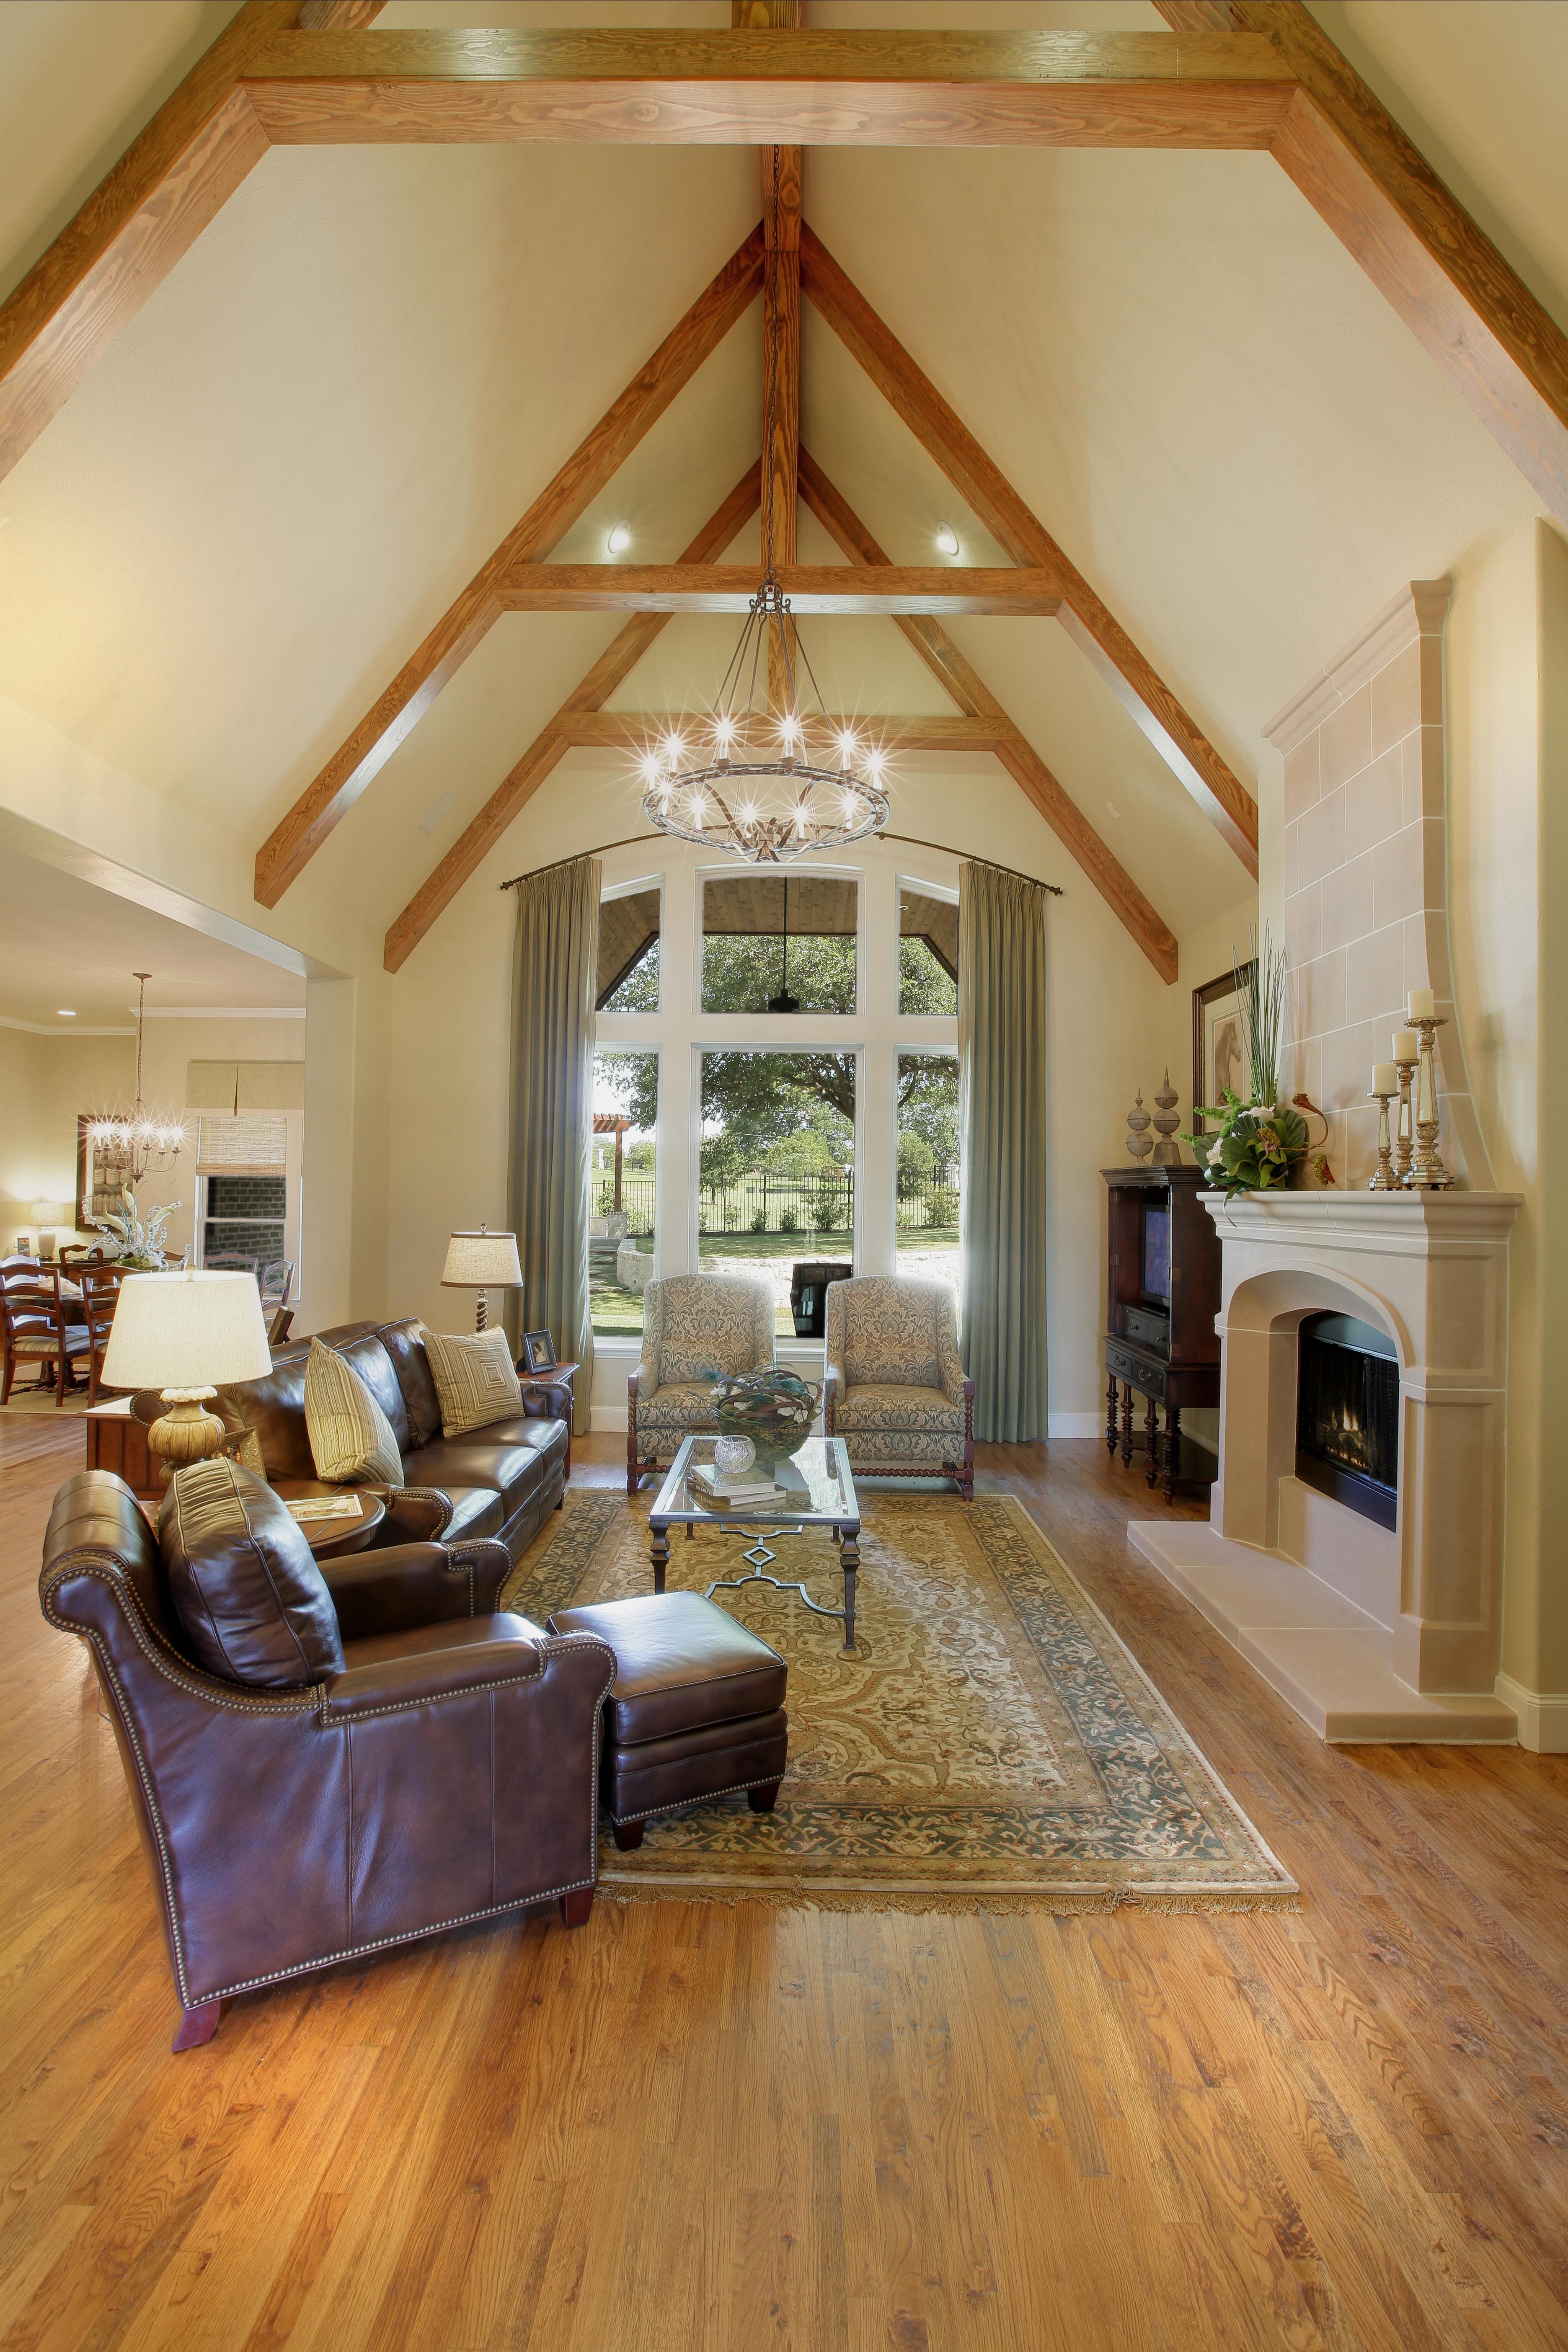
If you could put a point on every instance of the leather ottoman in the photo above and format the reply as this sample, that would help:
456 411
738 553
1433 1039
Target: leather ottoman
696 1709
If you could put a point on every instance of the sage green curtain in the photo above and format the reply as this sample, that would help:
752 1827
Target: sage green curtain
1002 1112
552 1063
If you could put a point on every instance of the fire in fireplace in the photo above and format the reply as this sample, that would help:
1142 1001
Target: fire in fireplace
1347 1414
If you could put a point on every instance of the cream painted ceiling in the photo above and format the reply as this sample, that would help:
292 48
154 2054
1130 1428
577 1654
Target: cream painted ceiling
64 943
308 440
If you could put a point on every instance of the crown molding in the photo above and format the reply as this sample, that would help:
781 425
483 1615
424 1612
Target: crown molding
59 1029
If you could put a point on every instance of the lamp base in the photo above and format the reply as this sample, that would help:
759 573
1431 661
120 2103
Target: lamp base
186 1432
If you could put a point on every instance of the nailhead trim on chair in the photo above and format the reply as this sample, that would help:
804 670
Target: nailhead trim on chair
92 1564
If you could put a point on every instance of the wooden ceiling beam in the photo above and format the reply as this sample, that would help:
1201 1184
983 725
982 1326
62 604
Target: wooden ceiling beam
1415 241
1134 680
1011 747
338 15
781 188
170 183
811 588
774 87
614 666
294 840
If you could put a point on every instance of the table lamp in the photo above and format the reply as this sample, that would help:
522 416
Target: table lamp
482 1262
186 1334
51 1214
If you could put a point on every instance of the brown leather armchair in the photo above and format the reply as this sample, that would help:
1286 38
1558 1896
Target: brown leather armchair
324 1761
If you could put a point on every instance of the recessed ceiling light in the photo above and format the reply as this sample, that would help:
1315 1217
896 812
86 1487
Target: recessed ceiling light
65 1012
947 540
620 538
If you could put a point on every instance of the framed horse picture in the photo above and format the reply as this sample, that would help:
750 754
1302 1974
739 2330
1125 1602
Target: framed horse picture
1220 1056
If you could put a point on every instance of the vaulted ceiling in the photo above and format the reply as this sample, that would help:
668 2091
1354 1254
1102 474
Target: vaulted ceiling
293 456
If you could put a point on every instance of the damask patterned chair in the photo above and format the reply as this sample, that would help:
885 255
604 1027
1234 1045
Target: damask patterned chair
697 1328
896 1393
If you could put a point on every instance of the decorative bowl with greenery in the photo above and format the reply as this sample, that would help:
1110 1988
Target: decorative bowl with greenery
775 1409
1256 1142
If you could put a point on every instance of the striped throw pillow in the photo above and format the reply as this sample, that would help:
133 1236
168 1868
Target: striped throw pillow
352 1440
474 1379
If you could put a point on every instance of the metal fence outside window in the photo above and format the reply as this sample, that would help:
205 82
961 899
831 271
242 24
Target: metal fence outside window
759 1203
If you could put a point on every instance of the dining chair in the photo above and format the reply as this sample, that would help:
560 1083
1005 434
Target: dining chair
277 1280
232 1262
33 1322
99 1296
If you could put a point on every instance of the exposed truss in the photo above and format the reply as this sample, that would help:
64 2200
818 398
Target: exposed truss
1270 77
1233 73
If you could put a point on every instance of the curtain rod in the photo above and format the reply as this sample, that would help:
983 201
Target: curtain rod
910 841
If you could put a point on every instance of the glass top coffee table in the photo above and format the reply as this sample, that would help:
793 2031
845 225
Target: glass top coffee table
820 1494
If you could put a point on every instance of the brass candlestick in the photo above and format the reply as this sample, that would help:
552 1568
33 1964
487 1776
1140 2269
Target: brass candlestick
1428 1173
1383 1178
1404 1142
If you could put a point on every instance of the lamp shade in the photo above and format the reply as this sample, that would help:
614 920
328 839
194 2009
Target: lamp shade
482 1261
187 1330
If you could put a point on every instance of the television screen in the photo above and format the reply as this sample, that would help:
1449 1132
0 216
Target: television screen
1157 1253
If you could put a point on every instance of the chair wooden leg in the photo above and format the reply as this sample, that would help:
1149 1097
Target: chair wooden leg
575 1907
9 1375
198 2025
762 1801
627 1836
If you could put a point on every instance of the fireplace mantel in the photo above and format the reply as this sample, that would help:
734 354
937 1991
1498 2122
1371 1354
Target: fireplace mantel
1370 1635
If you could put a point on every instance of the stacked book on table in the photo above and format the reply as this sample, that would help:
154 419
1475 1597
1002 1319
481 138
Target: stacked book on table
760 1487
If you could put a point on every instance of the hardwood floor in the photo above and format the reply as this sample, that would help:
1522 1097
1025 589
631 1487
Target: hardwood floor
729 2127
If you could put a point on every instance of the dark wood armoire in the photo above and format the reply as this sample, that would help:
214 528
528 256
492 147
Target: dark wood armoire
1161 1288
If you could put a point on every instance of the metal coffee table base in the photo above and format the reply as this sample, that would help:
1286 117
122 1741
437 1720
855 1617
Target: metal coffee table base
761 1559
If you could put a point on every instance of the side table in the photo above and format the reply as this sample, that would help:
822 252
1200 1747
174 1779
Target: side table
548 1396
331 1539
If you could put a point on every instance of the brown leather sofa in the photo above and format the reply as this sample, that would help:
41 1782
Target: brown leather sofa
503 1480
324 1759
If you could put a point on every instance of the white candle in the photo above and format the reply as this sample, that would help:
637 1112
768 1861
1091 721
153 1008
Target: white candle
1406 1045
1423 1004
1384 1078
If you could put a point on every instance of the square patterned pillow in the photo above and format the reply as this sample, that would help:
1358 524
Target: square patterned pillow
352 1440
474 1379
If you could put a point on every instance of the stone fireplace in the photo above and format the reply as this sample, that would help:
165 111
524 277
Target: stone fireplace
1372 1631
1354 1547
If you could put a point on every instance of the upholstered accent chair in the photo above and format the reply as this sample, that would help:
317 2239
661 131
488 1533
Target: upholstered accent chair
896 1393
697 1328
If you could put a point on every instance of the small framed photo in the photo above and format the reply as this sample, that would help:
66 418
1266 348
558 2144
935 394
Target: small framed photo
1219 1045
537 1351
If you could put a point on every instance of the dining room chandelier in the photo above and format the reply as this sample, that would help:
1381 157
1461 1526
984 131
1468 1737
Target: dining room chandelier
766 786
129 1148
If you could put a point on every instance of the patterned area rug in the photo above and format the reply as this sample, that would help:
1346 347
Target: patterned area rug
993 1745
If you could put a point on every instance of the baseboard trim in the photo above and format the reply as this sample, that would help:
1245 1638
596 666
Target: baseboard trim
1543 1717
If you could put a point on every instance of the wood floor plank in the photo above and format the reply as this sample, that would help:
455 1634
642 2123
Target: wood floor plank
702 2128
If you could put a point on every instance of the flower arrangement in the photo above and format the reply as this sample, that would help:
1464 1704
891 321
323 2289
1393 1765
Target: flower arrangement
138 1241
1256 1143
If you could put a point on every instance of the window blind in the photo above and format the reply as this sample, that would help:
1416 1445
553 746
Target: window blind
247 1144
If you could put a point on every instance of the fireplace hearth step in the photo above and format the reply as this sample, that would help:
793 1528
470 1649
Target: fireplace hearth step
1324 1656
